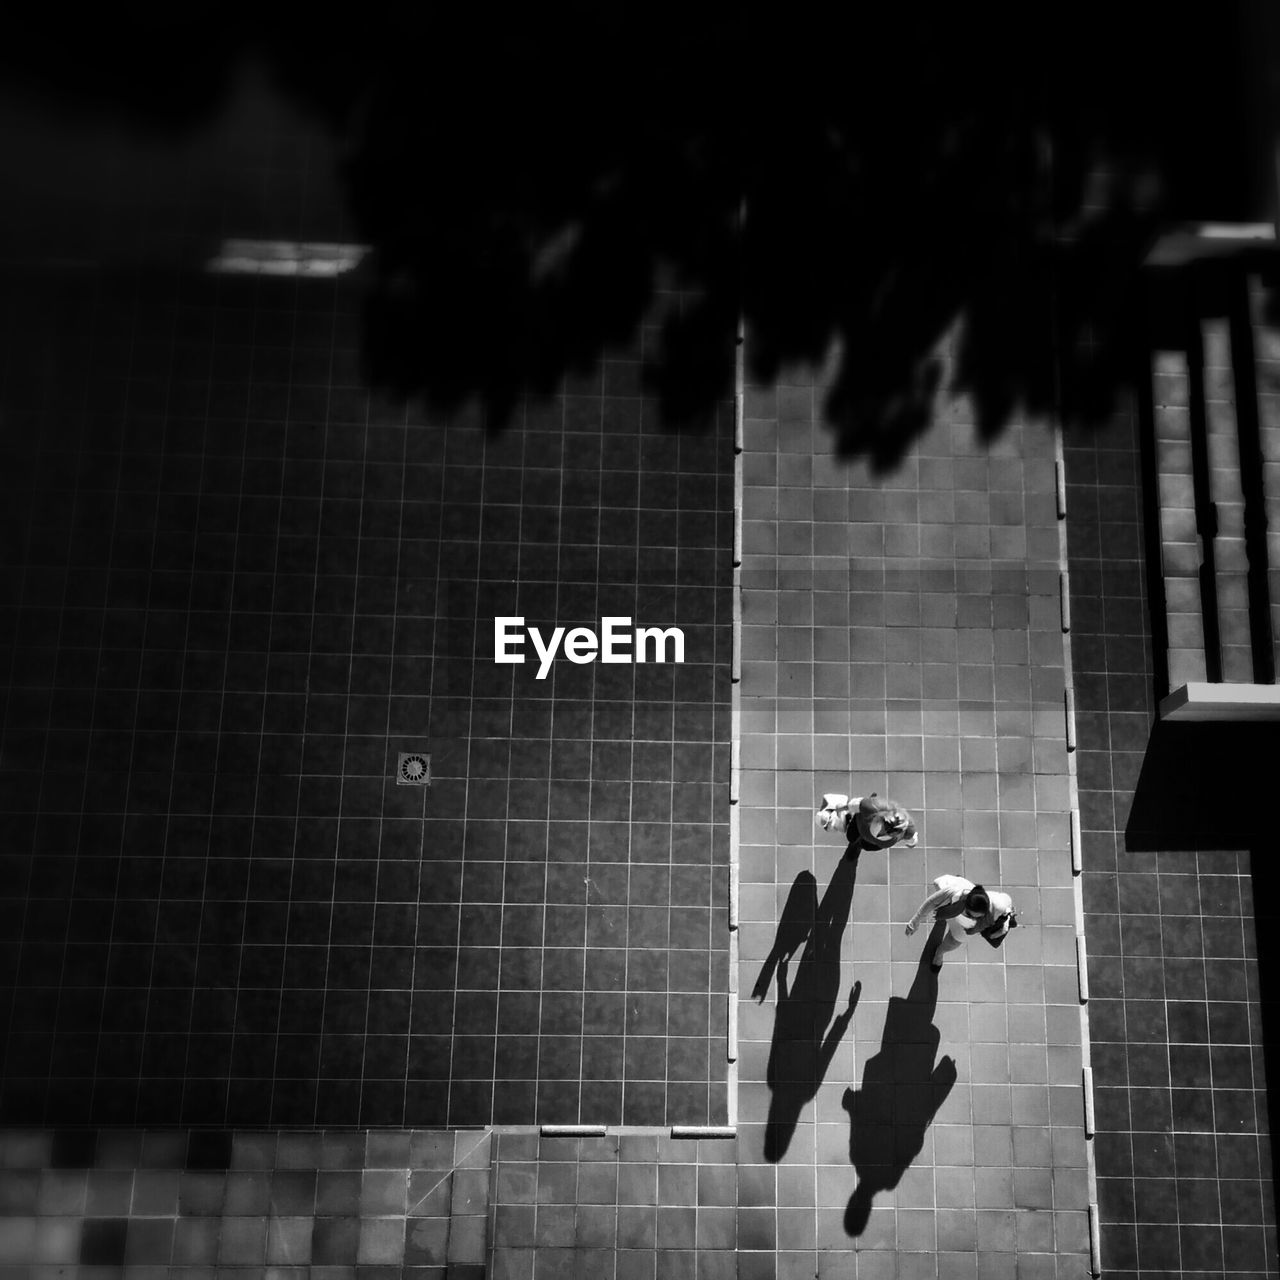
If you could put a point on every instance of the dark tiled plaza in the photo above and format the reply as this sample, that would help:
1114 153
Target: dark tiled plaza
228 628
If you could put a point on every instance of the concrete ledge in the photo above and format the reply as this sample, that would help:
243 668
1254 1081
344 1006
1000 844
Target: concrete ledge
1202 701
1211 241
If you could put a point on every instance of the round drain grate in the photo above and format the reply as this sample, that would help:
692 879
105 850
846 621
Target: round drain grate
415 769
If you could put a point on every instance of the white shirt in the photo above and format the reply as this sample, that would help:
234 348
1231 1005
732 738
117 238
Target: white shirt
948 890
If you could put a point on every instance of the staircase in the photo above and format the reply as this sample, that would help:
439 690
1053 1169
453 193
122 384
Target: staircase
1211 457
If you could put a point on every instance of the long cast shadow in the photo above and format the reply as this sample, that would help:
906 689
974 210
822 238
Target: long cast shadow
805 1035
902 1090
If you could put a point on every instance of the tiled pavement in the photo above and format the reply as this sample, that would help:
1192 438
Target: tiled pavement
233 588
629 1207
899 634
902 634
287 1205
238 587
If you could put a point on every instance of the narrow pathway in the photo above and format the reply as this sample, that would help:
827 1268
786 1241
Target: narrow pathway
902 634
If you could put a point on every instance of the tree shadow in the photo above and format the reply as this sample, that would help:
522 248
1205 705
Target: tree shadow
851 183
902 1090
805 1035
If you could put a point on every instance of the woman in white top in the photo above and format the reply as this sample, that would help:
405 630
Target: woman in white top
966 908
867 822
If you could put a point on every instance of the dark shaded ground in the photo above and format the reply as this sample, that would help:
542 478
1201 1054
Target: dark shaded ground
852 181
902 1090
233 589
1179 806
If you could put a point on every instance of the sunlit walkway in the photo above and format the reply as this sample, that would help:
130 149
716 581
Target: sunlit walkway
902 634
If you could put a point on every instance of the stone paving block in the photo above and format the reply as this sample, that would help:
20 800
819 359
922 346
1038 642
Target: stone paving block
335 1241
293 1192
58 1240
253 1151
289 1240
554 1225
242 1241
195 1241
514 1264
381 1241
426 1242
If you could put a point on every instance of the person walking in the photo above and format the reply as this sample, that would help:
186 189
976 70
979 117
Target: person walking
966 908
868 822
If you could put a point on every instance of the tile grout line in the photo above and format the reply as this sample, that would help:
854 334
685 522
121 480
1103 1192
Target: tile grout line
1075 853
450 437
390 737
634 549
77 491
362 541
591 766
182 673
130 378
671 760
543 1034
302 736
590 780
437 692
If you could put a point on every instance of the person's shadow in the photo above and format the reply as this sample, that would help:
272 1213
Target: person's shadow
902 1090
803 1042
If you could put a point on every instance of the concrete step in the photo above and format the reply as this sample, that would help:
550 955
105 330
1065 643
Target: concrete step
1203 539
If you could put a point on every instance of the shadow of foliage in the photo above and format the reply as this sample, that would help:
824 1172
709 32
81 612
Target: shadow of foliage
853 182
